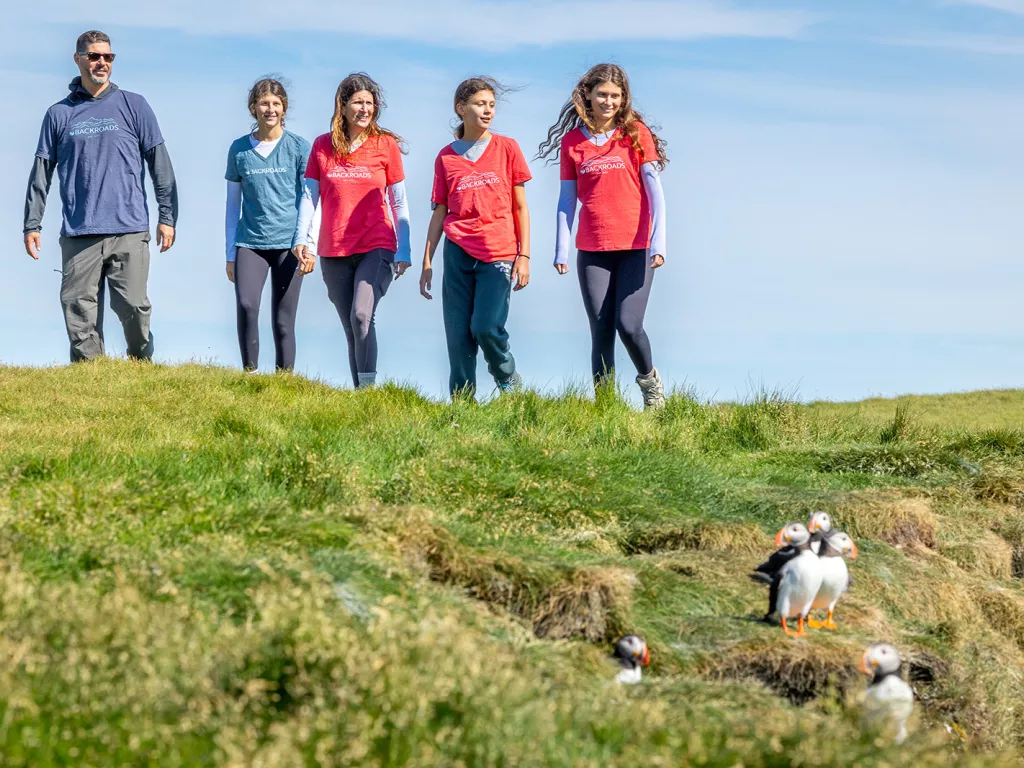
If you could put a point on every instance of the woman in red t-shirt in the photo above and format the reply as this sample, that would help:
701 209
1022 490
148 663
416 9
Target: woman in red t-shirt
610 161
479 199
355 173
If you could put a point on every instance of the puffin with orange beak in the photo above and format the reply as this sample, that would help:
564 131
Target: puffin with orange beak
632 653
797 583
835 578
820 526
889 701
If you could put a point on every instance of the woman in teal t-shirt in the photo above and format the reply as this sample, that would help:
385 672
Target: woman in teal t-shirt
264 179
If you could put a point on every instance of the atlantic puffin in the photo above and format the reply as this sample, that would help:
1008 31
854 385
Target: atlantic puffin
889 701
632 653
835 578
820 526
798 581
768 571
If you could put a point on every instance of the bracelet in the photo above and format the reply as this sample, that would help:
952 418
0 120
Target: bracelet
523 256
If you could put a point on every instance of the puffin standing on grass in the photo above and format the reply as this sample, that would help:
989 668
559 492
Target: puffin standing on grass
820 526
768 571
835 578
797 583
889 700
632 653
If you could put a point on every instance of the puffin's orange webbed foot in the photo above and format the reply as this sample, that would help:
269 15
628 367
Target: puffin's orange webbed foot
789 631
815 624
829 624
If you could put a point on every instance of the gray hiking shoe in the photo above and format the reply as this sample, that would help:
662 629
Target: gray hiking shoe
652 390
510 385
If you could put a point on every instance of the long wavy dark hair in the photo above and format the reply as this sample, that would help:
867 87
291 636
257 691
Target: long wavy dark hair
577 112
468 88
349 87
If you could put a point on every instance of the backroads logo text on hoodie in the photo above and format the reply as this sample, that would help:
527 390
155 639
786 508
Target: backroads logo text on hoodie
603 164
92 126
477 179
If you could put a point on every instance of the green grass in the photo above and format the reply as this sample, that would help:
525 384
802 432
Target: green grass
201 567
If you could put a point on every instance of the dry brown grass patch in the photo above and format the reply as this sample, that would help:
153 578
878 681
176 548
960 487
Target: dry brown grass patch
1004 612
742 538
1000 485
903 523
989 555
559 602
1011 528
798 670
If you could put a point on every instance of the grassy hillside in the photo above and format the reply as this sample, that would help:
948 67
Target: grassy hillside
200 567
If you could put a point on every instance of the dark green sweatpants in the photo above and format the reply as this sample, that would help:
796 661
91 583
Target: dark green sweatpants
474 298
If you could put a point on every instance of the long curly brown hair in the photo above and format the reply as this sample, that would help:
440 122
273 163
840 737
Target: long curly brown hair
349 87
577 112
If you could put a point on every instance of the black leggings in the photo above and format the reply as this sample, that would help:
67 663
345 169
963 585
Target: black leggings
616 286
355 285
251 268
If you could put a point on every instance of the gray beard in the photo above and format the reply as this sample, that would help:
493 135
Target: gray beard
98 80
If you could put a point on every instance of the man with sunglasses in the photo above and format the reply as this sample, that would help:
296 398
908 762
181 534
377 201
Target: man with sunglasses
97 140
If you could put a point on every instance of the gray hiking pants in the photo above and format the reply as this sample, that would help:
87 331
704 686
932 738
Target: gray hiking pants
91 263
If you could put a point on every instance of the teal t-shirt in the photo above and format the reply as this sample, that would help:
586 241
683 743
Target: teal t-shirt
271 190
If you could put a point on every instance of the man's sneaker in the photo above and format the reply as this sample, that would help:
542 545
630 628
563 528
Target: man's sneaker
512 384
652 389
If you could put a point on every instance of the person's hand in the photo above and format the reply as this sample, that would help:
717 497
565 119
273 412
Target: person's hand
164 236
562 269
306 259
400 267
33 244
426 275
521 272
657 260
229 267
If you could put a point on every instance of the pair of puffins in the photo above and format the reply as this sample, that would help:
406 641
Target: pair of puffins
807 573
888 701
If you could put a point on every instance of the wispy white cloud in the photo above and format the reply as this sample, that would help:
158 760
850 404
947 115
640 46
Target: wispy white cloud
985 44
479 24
1009 6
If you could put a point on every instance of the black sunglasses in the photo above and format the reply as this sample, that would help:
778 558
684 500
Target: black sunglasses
94 56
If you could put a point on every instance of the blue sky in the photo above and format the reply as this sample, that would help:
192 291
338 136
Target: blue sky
846 191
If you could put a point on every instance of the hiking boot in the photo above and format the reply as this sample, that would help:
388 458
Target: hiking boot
511 385
652 390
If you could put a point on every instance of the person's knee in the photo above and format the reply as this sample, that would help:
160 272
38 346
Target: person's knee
629 326
483 330
362 319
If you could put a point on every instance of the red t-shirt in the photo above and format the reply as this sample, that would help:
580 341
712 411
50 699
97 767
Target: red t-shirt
481 212
353 198
615 214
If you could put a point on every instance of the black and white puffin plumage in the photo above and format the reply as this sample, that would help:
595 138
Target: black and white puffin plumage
798 581
820 526
632 653
889 701
835 578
